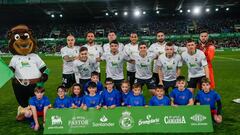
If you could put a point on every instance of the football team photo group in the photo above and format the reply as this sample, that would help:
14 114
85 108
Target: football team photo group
119 66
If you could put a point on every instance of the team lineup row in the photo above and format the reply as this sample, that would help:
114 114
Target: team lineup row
80 62
109 98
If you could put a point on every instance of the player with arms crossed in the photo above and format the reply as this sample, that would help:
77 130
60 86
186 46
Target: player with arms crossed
69 54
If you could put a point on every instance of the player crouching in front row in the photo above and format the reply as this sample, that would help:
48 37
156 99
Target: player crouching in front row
38 108
206 96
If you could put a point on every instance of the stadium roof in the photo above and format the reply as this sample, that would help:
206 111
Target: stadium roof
88 9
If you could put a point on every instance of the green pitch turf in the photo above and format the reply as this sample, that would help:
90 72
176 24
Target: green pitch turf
226 69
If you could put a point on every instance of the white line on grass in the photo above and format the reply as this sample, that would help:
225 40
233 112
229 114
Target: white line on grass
227 58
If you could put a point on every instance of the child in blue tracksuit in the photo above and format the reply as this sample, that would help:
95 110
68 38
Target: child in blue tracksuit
111 97
125 91
77 96
39 105
159 99
62 101
92 100
206 96
94 78
181 95
136 98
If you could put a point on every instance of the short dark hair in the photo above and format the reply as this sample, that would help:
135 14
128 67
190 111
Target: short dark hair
92 85
204 31
180 78
190 40
169 44
109 80
114 42
112 31
83 49
125 81
133 32
61 87
142 43
39 89
94 73
136 85
159 87
205 80
70 35
90 32
160 31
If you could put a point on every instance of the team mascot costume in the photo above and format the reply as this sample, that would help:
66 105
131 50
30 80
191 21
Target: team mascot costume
29 69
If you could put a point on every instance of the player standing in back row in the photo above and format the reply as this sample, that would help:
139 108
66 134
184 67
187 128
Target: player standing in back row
69 54
94 50
112 36
157 48
131 49
208 48
196 63
169 65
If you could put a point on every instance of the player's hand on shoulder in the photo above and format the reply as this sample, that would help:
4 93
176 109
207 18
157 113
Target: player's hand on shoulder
76 58
131 61
98 59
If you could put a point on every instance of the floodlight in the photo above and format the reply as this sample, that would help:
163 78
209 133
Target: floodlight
207 10
137 13
196 10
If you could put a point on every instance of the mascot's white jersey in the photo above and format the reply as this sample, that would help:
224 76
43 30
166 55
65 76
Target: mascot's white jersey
27 67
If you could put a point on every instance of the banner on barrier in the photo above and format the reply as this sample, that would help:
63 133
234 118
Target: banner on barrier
166 119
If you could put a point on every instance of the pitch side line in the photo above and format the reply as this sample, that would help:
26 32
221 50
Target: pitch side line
227 58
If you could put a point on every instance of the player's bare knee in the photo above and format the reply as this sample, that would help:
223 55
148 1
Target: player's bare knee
28 113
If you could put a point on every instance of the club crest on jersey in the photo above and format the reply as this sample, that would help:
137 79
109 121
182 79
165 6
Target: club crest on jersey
92 102
114 64
169 67
143 65
192 64
25 64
